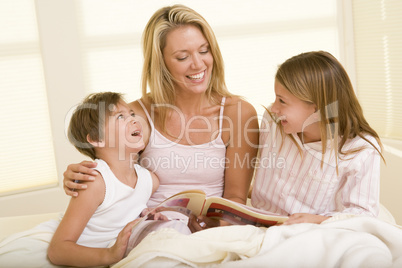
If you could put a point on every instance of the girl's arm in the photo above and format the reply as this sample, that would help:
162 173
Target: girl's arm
63 249
305 217
360 195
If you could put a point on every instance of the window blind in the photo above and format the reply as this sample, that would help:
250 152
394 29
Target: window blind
254 37
26 156
378 50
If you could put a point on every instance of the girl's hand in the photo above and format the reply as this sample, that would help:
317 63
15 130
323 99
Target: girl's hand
201 223
305 217
119 248
77 173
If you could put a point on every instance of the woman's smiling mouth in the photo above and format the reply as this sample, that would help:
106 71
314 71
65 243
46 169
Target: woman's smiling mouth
196 77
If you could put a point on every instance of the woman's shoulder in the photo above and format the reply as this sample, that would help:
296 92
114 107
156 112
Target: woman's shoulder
139 103
236 105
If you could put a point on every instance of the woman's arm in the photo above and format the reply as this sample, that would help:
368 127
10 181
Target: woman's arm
76 174
242 147
240 133
155 182
63 249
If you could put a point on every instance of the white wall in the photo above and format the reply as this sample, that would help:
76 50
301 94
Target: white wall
391 178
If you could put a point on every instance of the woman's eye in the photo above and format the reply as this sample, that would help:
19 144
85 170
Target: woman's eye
181 59
120 116
281 101
132 114
204 52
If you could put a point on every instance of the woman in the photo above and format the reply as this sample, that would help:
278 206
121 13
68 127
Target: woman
197 134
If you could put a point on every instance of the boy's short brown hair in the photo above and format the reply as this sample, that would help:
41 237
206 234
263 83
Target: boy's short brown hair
88 119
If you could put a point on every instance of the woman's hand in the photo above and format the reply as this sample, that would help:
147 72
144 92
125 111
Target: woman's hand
77 173
305 217
201 223
152 214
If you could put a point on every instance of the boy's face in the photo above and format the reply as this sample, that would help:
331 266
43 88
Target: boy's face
123 130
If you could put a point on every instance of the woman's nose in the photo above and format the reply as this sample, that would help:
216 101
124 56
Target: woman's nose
197 62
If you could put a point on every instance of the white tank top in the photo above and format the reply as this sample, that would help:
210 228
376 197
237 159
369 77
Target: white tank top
184 167
121 205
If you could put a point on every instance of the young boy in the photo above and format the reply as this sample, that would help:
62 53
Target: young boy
104 128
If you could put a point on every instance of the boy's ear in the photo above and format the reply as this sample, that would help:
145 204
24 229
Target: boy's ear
95 143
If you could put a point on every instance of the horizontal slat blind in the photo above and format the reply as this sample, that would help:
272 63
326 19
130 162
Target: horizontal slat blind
26 155
378 50
254 36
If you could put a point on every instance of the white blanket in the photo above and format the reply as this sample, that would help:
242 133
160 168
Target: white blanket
349 242
28 248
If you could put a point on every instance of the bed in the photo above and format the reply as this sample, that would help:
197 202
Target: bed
344 241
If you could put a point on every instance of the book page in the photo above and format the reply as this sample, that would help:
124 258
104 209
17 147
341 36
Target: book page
192 200
235 213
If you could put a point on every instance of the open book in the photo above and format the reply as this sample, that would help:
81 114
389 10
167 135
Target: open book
196 202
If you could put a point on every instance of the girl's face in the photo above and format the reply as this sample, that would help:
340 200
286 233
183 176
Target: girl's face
188 58
295 115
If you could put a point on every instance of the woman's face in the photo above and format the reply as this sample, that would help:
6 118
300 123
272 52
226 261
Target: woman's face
189 60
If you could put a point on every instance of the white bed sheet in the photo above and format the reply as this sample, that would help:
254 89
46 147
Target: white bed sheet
233 246
343 242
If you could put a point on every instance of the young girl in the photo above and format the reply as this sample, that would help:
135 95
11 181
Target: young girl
104 128
318 155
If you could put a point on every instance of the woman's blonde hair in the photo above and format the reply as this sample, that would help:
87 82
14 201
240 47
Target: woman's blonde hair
318 77
155 74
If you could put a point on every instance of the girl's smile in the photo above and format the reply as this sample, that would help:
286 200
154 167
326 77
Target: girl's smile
293 114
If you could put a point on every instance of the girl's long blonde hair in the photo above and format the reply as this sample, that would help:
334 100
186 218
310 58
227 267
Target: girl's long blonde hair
318 77
155 75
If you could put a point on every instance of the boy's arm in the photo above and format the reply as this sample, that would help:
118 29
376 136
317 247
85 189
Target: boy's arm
63 249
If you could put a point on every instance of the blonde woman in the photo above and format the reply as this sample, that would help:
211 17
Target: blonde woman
319 156
198 135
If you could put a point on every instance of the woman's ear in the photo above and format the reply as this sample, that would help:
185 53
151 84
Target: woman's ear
95 143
